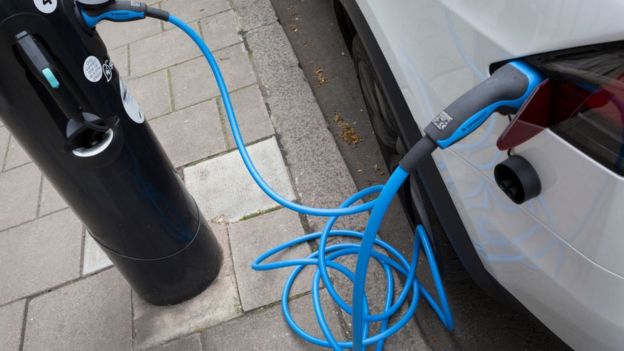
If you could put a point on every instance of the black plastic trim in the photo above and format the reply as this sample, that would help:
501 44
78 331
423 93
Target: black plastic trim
433 184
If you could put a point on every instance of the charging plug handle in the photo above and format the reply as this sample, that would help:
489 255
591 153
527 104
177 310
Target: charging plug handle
117 11
505 91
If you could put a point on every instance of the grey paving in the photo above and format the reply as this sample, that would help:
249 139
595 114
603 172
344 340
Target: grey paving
221 30
314 160
50 200
11 320
220 230
192 10
92 314
193 81
254 13
16 155
94 257
47 251
19 190
152 93
267 330
120 59
251 114
253 237
118 34
157 324
191 134
155 53
189 343
220 188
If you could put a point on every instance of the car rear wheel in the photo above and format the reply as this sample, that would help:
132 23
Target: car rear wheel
392 147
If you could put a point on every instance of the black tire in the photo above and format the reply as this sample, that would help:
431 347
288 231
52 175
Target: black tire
385 126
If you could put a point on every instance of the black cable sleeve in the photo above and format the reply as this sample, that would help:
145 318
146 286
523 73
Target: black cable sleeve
157 13
417 153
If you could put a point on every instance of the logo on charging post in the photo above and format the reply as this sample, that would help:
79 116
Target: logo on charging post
46 6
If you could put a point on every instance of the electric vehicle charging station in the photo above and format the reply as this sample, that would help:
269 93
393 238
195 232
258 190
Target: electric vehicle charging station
62 98
90 128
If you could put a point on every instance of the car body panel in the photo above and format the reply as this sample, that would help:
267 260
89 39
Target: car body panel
557 254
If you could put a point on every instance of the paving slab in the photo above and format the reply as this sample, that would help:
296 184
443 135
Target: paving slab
154 325
308 145
155 53
254 13
94 257
221 187
267 330
16 155
193 82
90 314
253 237
221 30
251 114
19 191
152 93
50 200
121 60
191 134
46 251
189 343
116 34
11 320
220 230
192 10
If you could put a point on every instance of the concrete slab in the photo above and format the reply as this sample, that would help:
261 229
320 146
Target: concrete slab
94 257
16 155
251 114
221 30
91 314
254 13
192 10
154 325
50 200
193 82
152 93
253 237
221 188
189 343
46 252
220 230
121 60
267 330
308 145
191 134
11 320
154 53
118 34
19 191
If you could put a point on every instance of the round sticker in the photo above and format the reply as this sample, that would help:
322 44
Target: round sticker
130 104
46 6
93 69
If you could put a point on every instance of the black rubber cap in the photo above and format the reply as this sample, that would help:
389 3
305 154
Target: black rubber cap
518 179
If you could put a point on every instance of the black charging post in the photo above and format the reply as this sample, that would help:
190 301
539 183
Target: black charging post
61 97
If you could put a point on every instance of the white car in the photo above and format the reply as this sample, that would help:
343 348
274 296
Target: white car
560 253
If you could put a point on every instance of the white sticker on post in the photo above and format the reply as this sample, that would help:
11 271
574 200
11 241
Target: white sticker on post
46 6
130 104
93 69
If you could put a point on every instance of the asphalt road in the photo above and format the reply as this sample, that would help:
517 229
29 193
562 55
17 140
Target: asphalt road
482 323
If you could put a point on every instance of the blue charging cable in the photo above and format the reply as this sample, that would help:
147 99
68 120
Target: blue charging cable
326 255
